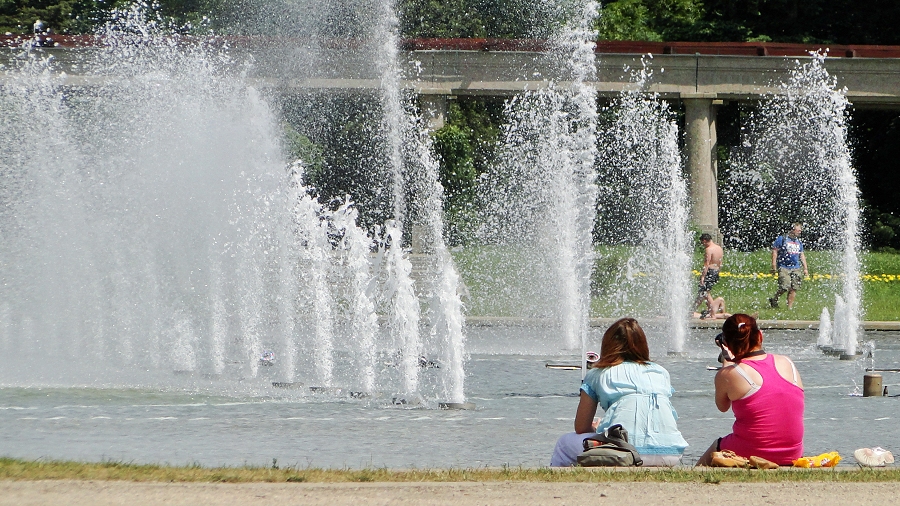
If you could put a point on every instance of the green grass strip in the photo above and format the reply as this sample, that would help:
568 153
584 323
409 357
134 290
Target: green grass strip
15 469
501 281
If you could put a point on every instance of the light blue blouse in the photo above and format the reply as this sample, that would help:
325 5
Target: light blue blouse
638 397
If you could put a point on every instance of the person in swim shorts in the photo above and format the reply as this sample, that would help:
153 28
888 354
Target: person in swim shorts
709 275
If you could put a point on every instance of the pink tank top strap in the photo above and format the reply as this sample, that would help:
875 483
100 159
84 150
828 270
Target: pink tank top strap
767 369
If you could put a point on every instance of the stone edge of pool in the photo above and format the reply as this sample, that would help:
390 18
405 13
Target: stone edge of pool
511 321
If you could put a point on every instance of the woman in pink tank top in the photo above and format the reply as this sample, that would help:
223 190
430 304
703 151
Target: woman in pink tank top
763 391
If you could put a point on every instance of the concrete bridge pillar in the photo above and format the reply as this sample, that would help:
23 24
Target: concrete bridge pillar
434 110
700 144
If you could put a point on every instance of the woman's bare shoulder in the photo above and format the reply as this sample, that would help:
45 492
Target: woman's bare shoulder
787 369
726 372
782 360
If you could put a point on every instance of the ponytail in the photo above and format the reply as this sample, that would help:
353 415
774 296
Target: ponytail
741 334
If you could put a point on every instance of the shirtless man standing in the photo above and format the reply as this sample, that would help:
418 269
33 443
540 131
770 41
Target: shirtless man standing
709 276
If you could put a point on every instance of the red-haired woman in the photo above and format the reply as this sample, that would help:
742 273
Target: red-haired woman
634 392
765 393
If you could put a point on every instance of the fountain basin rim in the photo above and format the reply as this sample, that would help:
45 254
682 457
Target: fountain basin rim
515 321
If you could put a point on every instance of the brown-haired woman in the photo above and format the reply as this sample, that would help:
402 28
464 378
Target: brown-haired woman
634 392
765 393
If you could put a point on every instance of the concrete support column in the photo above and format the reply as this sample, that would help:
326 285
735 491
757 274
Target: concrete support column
434 110
700 143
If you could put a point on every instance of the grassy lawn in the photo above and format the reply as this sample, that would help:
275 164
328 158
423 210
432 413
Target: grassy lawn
505 281
14 469
746 284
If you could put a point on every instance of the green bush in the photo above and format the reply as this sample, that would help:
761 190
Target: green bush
298 147
451 144
884 231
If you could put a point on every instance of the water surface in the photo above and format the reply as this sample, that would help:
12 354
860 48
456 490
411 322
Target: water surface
522 407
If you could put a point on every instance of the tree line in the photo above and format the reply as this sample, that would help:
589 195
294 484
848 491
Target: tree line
812 21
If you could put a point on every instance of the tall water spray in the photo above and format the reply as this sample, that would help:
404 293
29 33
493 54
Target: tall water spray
824 338
795 166
312 242
445 308
355 248
577 41
133 192
404 304
541 198
643 205
834 157
150 226
415 173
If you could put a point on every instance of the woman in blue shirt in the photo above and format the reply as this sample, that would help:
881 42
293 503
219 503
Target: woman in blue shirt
634 392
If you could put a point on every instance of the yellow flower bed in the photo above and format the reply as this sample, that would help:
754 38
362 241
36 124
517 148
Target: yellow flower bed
878 278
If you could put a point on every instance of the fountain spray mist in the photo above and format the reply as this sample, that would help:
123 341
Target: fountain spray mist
415 172
445 309
127 201
796 167
577 40
814 94
404 311
355 247
643 194
540 199
160 232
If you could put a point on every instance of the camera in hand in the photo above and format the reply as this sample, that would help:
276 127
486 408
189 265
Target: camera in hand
720 340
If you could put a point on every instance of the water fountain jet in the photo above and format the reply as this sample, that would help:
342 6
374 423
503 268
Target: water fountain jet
796 157
180 243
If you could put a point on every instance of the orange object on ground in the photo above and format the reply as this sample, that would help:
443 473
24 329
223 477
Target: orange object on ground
829 459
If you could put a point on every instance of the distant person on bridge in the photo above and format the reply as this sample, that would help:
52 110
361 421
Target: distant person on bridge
787 258
709 275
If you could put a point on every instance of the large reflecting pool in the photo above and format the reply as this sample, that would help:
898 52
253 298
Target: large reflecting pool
522 406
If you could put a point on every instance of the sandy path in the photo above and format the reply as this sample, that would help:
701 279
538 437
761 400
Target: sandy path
101 493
